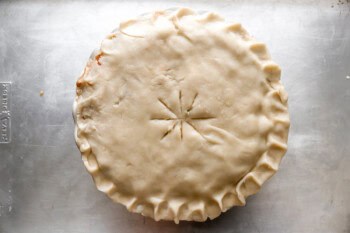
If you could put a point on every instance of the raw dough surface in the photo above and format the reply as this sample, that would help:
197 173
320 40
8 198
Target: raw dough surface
180 116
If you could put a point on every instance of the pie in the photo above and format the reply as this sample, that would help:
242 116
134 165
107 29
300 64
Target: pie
181 115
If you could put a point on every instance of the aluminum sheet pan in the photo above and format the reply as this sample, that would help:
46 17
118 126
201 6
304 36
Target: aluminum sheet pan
44 186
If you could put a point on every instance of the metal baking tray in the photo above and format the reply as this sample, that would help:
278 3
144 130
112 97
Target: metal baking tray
44 187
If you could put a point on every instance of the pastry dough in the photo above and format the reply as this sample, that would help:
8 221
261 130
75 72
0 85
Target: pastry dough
180 116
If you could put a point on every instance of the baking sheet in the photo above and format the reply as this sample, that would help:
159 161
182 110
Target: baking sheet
43 184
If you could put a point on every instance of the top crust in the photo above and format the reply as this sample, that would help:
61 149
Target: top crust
180 116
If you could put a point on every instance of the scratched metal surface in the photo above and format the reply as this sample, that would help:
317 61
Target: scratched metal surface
43 184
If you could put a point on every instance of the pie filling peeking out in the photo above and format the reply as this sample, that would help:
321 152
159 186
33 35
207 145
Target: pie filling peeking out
180 115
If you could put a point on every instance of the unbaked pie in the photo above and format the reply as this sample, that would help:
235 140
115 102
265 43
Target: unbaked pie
180 115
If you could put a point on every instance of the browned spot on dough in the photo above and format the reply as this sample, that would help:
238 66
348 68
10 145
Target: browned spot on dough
98 56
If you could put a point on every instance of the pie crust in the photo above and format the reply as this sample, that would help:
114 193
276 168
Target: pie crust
181 115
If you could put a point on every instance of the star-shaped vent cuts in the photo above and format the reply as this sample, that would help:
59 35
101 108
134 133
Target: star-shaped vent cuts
181 118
